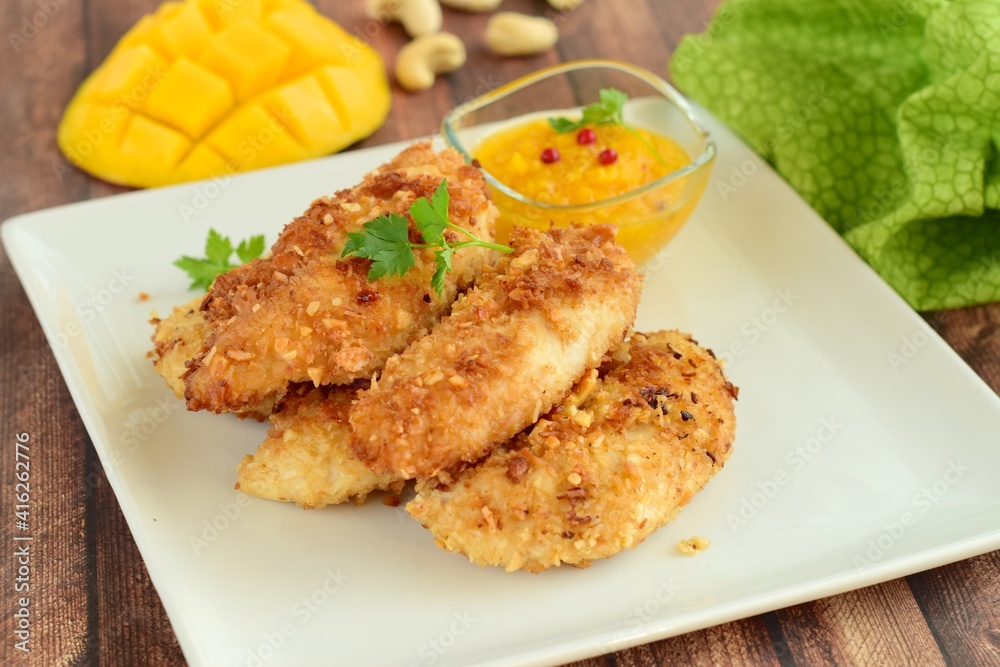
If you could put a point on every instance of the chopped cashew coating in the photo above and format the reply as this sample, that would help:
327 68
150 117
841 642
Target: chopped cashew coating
514 34
418 17
472 5
419 61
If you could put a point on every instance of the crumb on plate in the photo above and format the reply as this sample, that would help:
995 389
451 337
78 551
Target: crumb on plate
693 545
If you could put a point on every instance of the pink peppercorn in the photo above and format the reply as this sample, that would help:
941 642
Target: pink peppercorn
550 155
586 136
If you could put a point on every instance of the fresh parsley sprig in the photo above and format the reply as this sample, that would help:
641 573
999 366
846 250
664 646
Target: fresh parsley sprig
386 239
609 109
218 249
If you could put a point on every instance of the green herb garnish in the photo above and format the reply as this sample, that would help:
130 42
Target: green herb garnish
608 110
386 240
218 249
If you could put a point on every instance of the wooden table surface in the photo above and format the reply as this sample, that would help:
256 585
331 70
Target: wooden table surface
92 600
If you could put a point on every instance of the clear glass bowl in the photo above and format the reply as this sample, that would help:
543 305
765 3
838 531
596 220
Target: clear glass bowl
648 216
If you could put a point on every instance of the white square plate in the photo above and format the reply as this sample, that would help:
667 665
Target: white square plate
865 448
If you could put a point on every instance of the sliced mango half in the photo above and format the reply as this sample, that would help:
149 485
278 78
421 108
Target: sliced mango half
205 88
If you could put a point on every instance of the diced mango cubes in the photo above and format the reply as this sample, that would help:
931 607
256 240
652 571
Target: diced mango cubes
249 55
184 32
204 88
190 98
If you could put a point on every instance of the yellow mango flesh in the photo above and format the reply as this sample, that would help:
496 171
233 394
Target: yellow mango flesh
205 88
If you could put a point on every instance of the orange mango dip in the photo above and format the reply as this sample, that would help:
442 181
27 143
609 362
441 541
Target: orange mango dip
577 171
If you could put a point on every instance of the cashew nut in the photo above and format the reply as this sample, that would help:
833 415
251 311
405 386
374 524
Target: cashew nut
565 5
514 34
426 56
418 17
472 5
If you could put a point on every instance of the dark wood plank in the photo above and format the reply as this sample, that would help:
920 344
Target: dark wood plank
645 34
35 401
962 601
132 625
975 334
743 642
37 80
33 398
962 605
880 625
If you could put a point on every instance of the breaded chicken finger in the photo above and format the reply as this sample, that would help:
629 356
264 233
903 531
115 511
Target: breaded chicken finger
306 458
305 314
600 473
511 348
178 338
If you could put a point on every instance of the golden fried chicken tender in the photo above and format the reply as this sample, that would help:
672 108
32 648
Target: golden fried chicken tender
510 349
306 458
177 338
613 463
305 314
